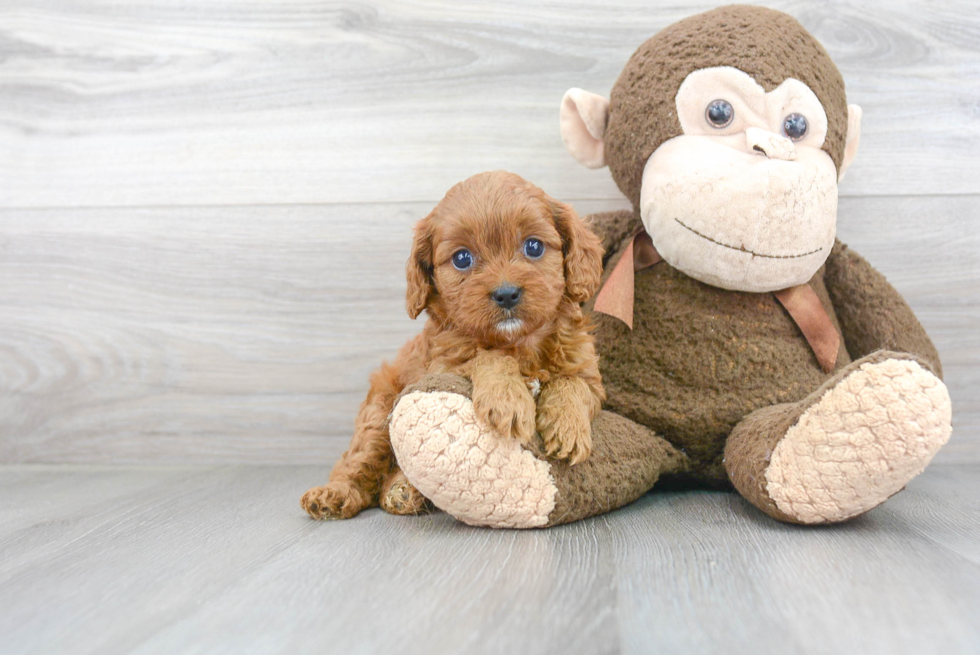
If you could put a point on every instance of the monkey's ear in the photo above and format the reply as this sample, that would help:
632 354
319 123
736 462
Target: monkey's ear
853 138
582 251
418 270
583 125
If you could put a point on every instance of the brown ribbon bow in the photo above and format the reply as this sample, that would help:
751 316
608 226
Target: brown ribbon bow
801 302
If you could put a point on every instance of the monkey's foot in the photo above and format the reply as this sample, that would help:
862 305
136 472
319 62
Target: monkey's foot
469 471
846 448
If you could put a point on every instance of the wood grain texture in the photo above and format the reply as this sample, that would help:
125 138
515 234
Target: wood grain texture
222 560
154 103
247 334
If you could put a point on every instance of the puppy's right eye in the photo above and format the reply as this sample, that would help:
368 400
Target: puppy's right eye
533 248
462 260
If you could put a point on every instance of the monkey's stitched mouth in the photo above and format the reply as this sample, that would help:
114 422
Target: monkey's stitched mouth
745 250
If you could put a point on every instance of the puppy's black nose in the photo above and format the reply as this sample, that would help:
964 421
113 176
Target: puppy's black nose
507 296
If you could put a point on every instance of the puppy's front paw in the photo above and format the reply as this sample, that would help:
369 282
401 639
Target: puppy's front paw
506 406
566 431
337 500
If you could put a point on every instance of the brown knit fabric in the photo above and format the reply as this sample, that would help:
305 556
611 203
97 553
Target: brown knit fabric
749 448
873 314
700 358
626 461
766 44
440 382
613 228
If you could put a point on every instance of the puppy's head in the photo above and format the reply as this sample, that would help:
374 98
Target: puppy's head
497 256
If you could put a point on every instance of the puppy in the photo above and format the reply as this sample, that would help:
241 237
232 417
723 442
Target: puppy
501 269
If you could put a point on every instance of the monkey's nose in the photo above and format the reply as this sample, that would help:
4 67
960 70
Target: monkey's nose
770 144
507 295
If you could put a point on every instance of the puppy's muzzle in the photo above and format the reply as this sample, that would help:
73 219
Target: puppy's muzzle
507 296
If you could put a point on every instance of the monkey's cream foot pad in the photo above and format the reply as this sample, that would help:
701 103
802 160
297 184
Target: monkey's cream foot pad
466 469
860 443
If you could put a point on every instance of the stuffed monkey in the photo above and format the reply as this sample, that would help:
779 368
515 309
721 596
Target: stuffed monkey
740 343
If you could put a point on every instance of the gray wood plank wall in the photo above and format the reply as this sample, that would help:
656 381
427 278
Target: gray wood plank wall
205 207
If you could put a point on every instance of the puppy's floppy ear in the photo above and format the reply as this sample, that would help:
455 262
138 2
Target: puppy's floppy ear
418 270
582 250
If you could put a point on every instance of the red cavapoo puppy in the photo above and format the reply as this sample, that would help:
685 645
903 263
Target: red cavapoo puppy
501 268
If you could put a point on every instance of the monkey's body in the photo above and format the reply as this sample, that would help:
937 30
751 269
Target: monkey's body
700 358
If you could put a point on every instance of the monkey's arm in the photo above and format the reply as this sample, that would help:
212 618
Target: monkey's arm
873 315
612 228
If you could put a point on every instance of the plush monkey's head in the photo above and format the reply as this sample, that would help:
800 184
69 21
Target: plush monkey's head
728 131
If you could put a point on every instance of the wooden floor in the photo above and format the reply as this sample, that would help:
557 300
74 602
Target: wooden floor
222 560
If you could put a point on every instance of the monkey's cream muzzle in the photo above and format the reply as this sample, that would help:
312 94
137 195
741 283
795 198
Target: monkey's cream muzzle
741 206
736 219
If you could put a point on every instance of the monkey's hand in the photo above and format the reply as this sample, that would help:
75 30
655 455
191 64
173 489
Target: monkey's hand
873 314
566 408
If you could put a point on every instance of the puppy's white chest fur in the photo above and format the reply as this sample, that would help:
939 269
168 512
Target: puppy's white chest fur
534 384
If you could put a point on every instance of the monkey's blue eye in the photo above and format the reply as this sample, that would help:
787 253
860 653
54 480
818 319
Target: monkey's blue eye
462 259
720 113
795 126
533 248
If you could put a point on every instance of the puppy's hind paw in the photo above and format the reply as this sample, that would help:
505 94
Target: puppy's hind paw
401 498
337 500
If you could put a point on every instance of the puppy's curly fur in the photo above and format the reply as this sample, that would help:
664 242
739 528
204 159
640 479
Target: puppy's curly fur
541 342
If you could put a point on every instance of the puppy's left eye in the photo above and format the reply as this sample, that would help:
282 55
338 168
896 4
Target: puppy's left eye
533 248
462 259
